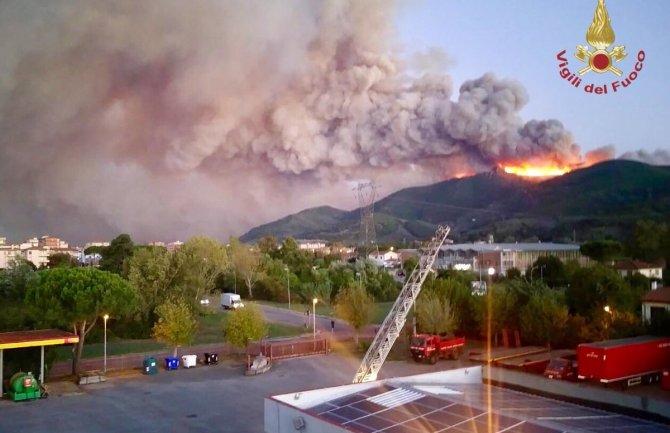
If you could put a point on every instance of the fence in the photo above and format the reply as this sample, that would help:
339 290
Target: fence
282 349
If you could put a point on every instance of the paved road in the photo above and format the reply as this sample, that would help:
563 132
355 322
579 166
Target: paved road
300 318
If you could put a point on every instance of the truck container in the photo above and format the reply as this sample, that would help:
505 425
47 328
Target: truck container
629 361
432 347
231 301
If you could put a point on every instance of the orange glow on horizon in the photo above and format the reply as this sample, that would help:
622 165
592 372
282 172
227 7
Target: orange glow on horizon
528 170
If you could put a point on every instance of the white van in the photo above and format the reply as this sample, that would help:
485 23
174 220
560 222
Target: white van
231 301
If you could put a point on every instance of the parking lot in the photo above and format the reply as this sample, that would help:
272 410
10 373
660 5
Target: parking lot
203 399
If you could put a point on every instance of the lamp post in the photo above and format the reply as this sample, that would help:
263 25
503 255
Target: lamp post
105 317
608 318
360 283
314 301
288 286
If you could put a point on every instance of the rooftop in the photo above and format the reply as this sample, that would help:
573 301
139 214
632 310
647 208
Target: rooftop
453 401
660 295
523 246
634 265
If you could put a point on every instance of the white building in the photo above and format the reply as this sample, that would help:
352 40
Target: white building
311 245
504 256
8 253
386 259
627 268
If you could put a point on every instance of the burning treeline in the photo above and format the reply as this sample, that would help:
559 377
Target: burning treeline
208 116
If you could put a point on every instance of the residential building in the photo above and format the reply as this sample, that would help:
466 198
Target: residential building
387 259
628 268
654 302
7 254
51 242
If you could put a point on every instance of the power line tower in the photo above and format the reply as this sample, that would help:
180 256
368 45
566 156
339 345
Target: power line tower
365 192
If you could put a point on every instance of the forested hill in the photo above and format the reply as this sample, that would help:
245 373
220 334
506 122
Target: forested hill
604 200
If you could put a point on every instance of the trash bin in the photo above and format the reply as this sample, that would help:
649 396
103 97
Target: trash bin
188 361
211 358
665 380
171 363
150 365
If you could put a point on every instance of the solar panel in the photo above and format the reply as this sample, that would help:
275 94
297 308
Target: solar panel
405 409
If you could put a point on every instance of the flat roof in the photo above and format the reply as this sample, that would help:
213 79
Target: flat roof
40 337
449 401
626 341
467 408
523 246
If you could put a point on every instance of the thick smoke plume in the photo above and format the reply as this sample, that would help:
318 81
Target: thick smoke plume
173 118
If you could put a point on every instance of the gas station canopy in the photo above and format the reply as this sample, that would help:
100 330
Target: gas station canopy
40 337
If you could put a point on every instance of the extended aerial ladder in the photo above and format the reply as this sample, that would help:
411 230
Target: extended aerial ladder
395 320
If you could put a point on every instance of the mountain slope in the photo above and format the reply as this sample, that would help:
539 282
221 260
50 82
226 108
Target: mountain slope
604 199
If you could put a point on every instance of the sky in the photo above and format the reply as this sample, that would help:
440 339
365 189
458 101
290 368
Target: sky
519 40
171 119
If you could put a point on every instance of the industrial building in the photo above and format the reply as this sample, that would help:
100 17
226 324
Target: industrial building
452 401
479 257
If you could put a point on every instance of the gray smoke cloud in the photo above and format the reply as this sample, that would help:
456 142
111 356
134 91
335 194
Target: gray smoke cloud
656 157
169 119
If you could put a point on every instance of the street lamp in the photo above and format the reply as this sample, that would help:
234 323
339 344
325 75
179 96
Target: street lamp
105 317
288 286
314 301
360 284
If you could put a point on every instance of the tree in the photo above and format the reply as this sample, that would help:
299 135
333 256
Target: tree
61 260
176 326
602 250
544 318
244 325
14 283
247 262
114 256
151 272
353 305
77 298
198 264
549 270
651 241
268 245
435 314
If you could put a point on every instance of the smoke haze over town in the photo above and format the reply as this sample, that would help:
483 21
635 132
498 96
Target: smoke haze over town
170 119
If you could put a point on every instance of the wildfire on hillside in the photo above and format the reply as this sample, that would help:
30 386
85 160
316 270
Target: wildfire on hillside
536 171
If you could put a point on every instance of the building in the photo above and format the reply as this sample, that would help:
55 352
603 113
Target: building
174 246
450 401
51 242
627 268
312 245
503 256
7 254
386 259
34 250
654 302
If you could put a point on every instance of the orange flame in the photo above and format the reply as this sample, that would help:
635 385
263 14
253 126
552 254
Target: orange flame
527 170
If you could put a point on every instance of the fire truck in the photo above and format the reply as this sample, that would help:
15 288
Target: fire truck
429 347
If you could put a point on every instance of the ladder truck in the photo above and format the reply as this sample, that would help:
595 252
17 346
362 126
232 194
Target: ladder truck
395 320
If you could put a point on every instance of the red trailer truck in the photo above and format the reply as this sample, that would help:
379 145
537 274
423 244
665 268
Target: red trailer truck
431 347
629 361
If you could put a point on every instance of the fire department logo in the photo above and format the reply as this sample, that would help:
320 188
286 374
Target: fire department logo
600 36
